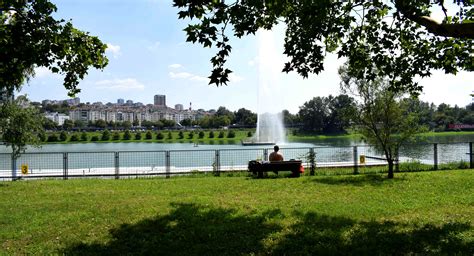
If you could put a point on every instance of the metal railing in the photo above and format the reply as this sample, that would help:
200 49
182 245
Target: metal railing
166 163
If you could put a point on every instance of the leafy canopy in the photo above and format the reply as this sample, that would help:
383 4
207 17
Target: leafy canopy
31 37
20 125
396 39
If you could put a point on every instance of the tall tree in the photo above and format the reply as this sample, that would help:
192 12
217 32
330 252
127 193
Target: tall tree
20 125
313 114
31 37
397 39
245 117
382 117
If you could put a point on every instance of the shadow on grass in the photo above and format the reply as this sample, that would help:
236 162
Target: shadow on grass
187 230
316 234
357 180
201 230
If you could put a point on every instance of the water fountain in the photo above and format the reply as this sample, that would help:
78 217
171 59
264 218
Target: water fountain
270 129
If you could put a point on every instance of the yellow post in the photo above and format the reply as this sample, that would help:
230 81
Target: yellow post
362 159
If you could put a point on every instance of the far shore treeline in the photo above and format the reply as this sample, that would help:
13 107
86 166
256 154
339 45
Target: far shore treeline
320 115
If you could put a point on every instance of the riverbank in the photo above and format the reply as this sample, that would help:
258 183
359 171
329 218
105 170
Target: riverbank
226 137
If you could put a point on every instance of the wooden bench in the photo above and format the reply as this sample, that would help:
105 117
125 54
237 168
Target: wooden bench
259 167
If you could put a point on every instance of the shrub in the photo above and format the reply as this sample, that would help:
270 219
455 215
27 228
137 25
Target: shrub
170 136
231 134
221 135
84 136
148 135
95 138
180 135
105 135
74 137
127 135
201 134
42 136
63 136
138 136
53 138
249 134
160 136
211 134
116 136
191 135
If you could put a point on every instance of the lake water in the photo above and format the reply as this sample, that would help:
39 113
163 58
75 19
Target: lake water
100 158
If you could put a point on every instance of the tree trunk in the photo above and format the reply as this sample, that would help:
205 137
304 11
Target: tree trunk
390 168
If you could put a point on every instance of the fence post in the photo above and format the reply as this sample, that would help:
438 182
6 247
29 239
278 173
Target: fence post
13 168
471 160
168 164
312 161
65 167
435 156
356 163
265 154
117 165
217 164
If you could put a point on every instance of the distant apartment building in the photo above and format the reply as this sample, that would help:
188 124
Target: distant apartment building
57 117
160 100
179 107
120 101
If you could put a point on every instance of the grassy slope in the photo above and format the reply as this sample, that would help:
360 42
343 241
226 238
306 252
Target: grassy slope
430 212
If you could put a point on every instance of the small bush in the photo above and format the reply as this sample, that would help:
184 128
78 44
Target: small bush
138 136
170 136
42 136
74 137
249 134
116 136
221 135
148 135
191 135
180 135
53 138
95 138
84 136
63 136
231 134
211 134
201 134
127 135
105 135
160 136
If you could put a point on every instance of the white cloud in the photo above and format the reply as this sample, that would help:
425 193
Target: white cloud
233 78
188 76
114 50
41 72
175 66
126 84
154 47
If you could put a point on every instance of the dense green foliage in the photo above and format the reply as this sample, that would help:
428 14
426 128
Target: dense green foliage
32 37
20 125
396 39
320 215
382 117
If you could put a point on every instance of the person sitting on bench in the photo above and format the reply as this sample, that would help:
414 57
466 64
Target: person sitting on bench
275 156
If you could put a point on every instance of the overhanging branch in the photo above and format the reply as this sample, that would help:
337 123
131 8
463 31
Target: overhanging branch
458 30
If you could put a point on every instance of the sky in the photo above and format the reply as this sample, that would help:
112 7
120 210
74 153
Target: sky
148 54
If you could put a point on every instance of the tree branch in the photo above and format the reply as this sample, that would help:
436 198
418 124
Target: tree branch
458 30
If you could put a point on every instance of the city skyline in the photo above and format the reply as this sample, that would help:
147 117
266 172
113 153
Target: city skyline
148 55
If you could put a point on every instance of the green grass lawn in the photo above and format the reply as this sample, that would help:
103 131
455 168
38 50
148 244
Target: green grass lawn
415 213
